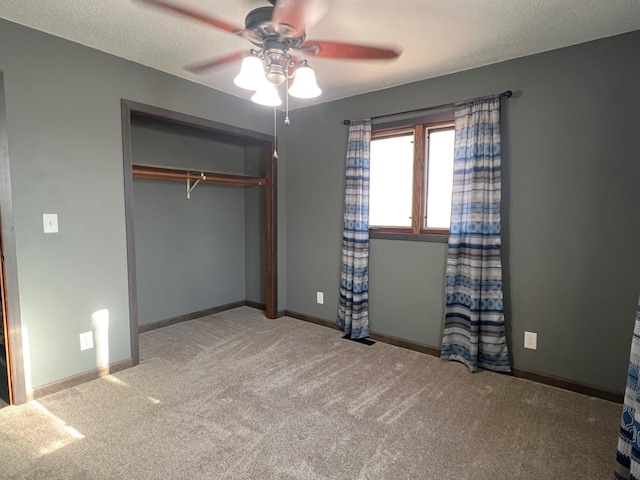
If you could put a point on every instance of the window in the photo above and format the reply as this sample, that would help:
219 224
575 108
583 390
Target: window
411 180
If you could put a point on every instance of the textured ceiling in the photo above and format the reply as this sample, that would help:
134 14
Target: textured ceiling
437 36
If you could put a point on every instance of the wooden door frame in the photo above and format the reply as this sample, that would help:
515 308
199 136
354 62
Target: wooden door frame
129 108
11 298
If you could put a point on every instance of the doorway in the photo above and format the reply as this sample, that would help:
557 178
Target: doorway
5 397
266 181
13 388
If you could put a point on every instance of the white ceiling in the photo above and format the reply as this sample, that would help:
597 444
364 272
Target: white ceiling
437 36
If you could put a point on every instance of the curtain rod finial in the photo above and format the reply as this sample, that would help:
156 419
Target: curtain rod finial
346 122
507 94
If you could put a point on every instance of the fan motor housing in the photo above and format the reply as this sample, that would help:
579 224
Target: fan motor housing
260 28
276 61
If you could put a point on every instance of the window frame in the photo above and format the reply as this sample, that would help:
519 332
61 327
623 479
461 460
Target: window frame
418 230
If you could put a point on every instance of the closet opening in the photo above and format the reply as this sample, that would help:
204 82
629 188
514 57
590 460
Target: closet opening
200 204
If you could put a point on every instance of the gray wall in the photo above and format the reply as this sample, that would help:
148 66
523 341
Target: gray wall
65 148
570 210
190 254
422 297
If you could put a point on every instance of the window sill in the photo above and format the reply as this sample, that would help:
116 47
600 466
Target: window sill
408 236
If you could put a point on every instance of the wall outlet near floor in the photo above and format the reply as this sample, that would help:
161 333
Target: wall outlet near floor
86 340
531 340
320 297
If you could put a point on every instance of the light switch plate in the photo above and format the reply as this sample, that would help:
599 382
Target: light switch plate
50 222
319 298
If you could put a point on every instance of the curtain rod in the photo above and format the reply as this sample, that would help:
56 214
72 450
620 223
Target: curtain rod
506 94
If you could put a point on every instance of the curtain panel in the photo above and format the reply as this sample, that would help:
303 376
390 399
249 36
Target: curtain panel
474 331
628 456
353 309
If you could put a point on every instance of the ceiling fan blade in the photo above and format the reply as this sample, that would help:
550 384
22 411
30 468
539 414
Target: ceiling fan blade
187 12
202 67
294 17
328 49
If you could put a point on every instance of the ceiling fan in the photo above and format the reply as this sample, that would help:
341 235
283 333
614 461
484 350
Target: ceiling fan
276 31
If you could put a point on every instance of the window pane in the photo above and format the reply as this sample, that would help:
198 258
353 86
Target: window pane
390 181
440 178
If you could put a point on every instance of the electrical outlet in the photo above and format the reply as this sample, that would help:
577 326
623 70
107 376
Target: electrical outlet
531 340
320 297
86 340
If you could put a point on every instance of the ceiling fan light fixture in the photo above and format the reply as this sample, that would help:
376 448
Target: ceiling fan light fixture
276 31
251 76
267 95
305 85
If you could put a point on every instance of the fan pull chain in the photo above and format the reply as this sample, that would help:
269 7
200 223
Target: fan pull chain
275 134
286 118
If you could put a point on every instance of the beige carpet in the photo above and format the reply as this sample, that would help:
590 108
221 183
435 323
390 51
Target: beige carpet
237 396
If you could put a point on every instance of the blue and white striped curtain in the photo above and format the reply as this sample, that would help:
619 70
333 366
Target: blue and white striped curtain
628 457
353 310
474 331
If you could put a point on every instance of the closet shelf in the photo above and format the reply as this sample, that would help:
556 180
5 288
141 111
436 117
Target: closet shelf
167 173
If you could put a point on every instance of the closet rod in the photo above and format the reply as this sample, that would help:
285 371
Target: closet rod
167 173
506 94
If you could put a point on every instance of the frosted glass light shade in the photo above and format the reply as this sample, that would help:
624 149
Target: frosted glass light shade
304 85
251 74
267 95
